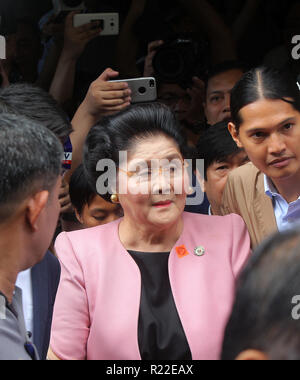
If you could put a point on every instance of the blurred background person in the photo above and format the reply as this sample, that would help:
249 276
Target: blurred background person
264 324
39 284
29 209
91 209
219 83
265 111
221 155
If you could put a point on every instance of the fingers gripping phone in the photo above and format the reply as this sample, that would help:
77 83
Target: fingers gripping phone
143 89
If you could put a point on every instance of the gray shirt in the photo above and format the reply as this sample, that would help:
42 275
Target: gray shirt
15 343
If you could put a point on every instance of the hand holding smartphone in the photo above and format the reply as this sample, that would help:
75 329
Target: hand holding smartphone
109 22
142 89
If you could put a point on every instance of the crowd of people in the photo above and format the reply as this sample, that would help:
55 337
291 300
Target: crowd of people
106 251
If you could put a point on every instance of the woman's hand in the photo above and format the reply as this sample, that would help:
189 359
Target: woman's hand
106 98
76 38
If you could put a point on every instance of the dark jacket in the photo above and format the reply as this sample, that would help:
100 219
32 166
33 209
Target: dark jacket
45 281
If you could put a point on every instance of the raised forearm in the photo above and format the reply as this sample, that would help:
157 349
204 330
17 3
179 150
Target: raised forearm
128 43
49 68
245 17
126 50
103 98
63 82
82 123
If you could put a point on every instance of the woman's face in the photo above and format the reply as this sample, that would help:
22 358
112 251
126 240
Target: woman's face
270 135
154 182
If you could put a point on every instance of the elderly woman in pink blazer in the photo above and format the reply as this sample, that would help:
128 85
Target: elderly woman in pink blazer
159 283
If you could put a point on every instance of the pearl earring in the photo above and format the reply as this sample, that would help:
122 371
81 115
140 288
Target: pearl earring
114 198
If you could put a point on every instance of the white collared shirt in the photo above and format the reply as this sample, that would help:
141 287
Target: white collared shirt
24 282
287 214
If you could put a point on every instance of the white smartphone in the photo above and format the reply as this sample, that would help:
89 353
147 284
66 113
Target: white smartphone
2 47
143 89
109 22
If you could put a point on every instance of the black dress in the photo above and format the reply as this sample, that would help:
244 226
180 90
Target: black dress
160 332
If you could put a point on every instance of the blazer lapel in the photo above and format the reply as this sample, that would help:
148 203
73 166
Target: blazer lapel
264 210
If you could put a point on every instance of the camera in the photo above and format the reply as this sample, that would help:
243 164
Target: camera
65 6
178 61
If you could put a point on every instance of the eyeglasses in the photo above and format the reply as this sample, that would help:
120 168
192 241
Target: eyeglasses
173 170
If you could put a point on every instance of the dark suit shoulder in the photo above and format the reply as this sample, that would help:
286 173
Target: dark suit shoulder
52 260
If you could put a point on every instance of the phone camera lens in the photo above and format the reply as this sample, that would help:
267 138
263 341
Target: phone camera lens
142 90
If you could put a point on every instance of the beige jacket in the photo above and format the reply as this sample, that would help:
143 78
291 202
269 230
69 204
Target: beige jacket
245 195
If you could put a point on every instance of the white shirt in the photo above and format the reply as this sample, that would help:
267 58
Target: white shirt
24 282
287 214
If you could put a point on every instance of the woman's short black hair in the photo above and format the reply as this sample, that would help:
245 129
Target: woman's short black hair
81 193
121 131
262 316
263 83
216 145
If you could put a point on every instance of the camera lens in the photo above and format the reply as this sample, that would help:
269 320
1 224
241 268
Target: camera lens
72 3
169 64
178 61
142 90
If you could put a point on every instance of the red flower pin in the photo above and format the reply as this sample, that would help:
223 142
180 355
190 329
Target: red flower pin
182 251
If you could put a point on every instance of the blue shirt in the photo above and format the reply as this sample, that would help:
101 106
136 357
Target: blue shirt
287 214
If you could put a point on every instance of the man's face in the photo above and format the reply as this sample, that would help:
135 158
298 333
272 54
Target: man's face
270 134
176 98
217 103
217 175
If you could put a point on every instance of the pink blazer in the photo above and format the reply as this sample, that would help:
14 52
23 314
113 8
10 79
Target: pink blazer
97 307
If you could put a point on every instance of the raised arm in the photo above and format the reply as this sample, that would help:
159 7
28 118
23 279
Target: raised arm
75 41
128 43
245 17
103 98
210 22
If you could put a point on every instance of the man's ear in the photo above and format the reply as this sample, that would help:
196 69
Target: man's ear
35 206
233 131
252 355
